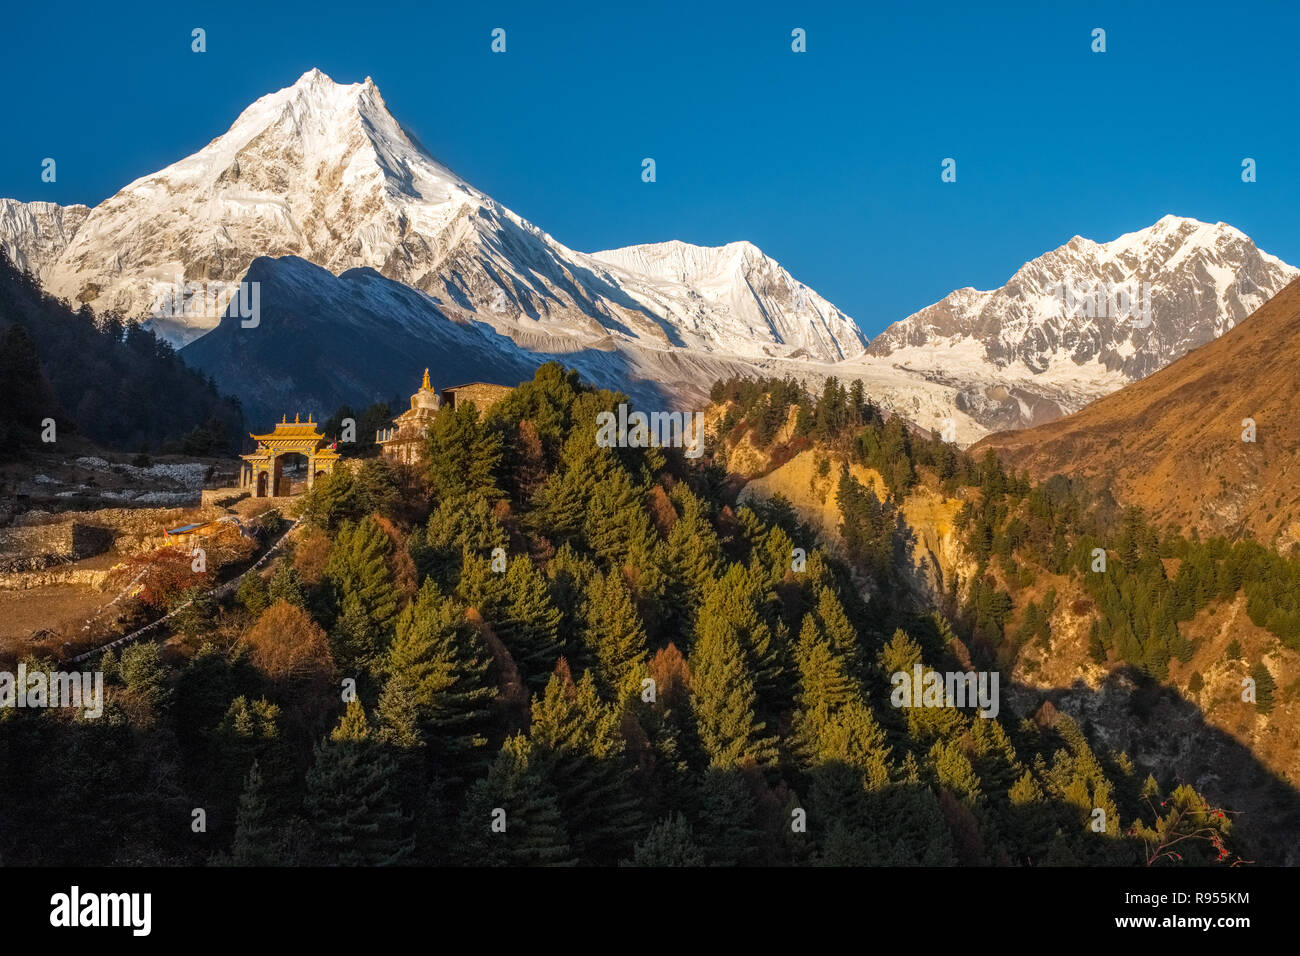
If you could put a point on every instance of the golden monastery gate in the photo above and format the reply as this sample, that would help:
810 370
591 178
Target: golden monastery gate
262 471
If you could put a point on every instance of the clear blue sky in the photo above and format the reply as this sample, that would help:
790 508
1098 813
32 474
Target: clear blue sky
828 160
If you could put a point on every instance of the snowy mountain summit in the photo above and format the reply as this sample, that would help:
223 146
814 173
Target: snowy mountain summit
323 171
1132 305
1074 324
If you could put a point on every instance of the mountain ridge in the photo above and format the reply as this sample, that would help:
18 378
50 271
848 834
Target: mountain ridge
1173 442
324 171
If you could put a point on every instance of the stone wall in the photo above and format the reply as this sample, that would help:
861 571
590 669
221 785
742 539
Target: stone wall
483 395
24 580
32 547
222 497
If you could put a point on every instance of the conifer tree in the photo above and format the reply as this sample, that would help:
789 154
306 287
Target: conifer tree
257 842
517 795
614 634
560 507
463 454
355 640
617 525
825 686
1264 686
693 558
27 396
738 605
252 593
352 803
911 827
249 732
378 490
571 575
358 567
724 701
438 689
900 654
527 620
727 829
852 738
839 631
333 501
285 585
456 526
145 677
670 842
577 738
953 771
481 586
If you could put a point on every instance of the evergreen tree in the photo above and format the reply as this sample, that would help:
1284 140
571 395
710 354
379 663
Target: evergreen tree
285 585
571 576
724 702
351 803
25 395
839 631
577 738
358 567
527 621
145 677
693 556
911 826
463 454
613 632
737 608
517 795
825 686
728 829
356 641
252 593
249 733
333 501
670 842
257 841
437 692
456 526
616 525
1264 687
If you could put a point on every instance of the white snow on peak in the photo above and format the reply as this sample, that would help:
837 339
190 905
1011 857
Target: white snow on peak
323 170
747 296
1200 279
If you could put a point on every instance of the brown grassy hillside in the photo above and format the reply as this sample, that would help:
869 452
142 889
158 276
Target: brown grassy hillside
1172 442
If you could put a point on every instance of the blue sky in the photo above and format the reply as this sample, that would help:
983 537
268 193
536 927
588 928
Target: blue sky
828 160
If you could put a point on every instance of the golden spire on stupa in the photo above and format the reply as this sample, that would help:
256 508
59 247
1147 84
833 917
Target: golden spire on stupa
425 384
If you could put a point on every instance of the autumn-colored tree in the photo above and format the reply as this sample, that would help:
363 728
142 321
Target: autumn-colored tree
287 644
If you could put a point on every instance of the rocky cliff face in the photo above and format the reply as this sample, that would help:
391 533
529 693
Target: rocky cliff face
34 234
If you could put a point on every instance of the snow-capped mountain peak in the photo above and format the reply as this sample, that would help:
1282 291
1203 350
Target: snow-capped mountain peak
1199 278
323 170
1084 319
